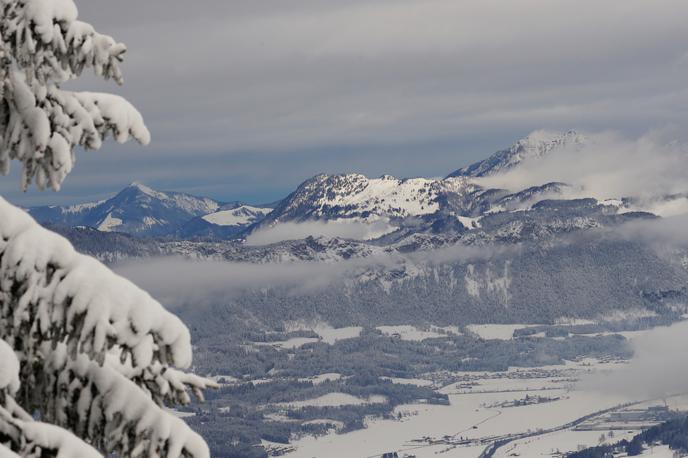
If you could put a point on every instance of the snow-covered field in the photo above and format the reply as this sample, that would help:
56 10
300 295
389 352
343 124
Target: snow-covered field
475 418
407 332
496 331
326 334
334 400
560 441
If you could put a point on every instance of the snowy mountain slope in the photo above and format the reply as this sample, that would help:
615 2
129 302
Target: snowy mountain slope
336 197
225 223
536 145
137 209
449 207
241 216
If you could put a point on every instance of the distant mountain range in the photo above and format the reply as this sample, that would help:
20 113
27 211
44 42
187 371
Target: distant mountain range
141 211
353 206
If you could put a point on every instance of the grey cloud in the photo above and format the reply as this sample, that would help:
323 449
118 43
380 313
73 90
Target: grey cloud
659 367
340 79
611 166
357 230
177 281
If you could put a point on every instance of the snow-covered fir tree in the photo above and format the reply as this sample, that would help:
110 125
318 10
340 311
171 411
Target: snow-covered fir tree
88 361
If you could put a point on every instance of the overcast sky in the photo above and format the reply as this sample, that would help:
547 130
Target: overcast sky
246 99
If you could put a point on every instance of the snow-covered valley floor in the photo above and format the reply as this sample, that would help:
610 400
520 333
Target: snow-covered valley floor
482 411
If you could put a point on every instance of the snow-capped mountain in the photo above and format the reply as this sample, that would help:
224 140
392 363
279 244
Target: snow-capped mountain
334 197
227 222
536 145
448 206
143 211
137 209
243 215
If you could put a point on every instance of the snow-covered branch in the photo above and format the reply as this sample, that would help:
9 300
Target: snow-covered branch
19 432
94 353
44 124
86 334
109 410
48 291
42 44
46 37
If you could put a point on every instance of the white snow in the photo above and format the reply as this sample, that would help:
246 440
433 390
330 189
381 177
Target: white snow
334 400
9 369
322 378
422 427
186 202
491 282
472 282
561 441
240 216
92 330
109 223
659 451
114 310
78 208
331 335
469 223
388 192
496 331
294 342
149 222
347 228
55 438
409 381
411 333
327 333
355 195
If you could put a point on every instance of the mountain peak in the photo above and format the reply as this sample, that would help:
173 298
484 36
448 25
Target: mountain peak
138 186
537 144
544 141
136 209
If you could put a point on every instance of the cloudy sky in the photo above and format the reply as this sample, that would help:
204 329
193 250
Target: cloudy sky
245 99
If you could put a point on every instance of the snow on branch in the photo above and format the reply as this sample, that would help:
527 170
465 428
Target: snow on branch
46 36
17 428
48 291
97 354
9 369
45 123
111 411
32 438
165 385
42 44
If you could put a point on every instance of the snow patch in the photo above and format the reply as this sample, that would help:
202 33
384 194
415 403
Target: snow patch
412 333
496 331
334 400
109 223
241 216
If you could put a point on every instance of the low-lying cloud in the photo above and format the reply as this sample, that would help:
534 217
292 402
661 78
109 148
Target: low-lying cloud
658 369
669 231
347 229
177 281
612 166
